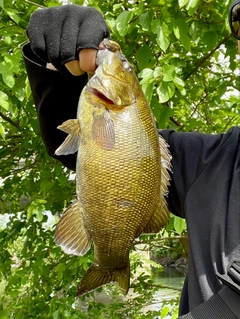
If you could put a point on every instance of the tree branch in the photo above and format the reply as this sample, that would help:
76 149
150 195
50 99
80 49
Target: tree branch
7 119
176 122
139 242
204 59
164 287
34 4
228 123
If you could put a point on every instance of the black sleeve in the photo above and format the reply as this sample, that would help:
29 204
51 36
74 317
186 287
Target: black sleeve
223 305
191 153
56 98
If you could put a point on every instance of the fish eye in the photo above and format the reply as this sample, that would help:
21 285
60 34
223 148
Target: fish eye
126 65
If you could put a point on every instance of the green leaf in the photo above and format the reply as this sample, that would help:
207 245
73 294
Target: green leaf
8 40
36 208
27 89
56 314
60 268
165 311
182 3
162 113
165 91
4 100
39 214
145 20
179 224
210 38
13 60
179 84
8 78
158 72
148 91
168 72
180 29
175 314
155 25
143 56
122 22
192 6
170 225
2 131
163 39
117 6
13 14
146 75
7 75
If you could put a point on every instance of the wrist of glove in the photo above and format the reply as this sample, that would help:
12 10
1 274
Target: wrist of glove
57 34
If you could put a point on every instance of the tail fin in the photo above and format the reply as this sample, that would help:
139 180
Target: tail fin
97 277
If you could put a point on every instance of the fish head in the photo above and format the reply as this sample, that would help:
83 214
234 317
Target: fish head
114 84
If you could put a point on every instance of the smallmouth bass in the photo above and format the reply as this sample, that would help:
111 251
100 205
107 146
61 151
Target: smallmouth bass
121 172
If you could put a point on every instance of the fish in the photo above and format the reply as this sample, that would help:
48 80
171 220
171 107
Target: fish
122 172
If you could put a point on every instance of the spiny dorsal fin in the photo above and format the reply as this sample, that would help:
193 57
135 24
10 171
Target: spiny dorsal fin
71 143
161 216
71 234
165 165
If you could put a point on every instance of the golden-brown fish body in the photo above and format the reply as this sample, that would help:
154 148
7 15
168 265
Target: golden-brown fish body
121 172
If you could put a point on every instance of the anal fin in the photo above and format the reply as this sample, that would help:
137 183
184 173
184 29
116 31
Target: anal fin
71 234
159 219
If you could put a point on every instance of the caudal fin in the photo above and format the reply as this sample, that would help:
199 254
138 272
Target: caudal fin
97 277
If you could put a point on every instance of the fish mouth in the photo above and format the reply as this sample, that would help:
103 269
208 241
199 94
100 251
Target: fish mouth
101 96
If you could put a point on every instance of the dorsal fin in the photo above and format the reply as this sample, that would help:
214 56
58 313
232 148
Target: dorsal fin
161 216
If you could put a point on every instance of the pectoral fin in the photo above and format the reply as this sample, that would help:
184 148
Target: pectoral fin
71 143
71 234
103 131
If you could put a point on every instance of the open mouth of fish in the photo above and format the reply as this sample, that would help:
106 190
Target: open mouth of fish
101 96
96 87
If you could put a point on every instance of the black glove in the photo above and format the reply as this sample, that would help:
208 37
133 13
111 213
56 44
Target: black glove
57 34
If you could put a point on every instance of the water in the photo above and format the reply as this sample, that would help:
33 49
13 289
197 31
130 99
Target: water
171 281
171 278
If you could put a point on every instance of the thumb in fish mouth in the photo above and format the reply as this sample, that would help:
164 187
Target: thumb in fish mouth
86 63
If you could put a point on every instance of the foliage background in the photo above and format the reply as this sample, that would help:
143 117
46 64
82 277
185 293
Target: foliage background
186 61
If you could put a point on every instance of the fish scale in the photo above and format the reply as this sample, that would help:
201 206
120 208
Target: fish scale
121 172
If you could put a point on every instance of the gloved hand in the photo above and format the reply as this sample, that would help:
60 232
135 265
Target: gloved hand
57 34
